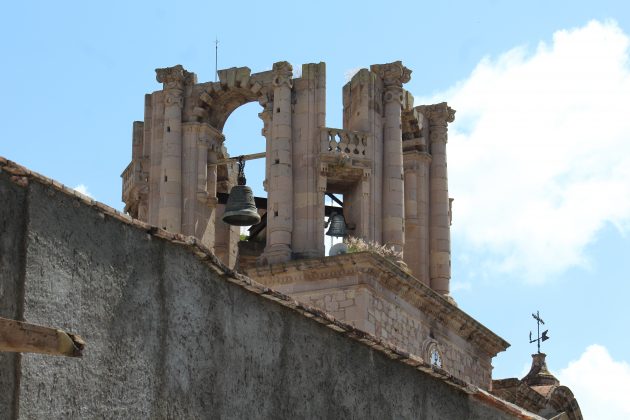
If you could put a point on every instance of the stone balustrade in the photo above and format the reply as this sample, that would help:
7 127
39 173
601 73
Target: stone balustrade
344 141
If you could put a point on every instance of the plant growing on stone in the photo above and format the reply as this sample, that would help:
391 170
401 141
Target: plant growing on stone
385 251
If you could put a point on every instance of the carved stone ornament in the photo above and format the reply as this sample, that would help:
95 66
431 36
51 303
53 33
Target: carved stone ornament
392 73
438 114
265 98
283 72
174 97
432 352
174 77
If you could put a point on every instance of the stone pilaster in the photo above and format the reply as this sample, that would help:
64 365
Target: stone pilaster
280 181
190 139
393 75
363 112
309 94
208 146
439 116
154 152
417 210
170 208
266 101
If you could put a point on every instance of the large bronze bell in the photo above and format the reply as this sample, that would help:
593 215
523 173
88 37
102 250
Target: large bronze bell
240 209
337 225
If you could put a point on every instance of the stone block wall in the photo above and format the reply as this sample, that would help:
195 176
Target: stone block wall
408 329
403 326
348 304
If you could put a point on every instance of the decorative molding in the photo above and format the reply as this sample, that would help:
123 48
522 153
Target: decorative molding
393 74
390 277
174 77
432 352
283 72
438 114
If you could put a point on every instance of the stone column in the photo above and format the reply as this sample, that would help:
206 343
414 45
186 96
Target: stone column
266 101
205 226
363 112
308 204
154 152
393 75
439 116
280 181
417 210
190 156
170 210
226 236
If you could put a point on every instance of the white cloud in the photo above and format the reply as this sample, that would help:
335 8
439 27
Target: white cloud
539 155
599 383
83 189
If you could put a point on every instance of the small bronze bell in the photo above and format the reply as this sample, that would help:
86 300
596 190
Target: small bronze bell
337 225
240 209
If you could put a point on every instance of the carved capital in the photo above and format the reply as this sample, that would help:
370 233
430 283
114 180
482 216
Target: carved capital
438 114
171 76
283 72
393 74
173 79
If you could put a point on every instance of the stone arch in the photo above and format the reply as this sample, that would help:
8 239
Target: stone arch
215 101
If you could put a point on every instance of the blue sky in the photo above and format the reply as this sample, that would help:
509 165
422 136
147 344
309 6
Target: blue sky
538 154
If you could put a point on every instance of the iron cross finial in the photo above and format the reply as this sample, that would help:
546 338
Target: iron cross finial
539 338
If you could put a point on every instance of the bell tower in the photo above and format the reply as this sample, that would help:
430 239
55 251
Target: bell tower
388 163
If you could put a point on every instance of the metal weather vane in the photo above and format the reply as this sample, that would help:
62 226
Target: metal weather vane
539 338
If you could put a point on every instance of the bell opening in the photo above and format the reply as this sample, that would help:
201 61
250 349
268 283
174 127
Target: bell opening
246 203
334 222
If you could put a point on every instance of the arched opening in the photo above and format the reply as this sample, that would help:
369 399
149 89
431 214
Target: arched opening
334 205
243 137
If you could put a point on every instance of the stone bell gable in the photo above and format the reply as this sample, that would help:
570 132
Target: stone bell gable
386 167
388 162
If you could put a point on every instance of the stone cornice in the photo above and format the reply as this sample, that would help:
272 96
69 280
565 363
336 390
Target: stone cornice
390 276
393 74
